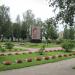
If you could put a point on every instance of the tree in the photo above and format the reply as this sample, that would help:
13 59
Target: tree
28 18
17 28
50 30
5 23
24 30
66 11
66 32
72 32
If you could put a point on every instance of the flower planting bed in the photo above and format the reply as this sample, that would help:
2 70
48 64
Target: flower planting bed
19 60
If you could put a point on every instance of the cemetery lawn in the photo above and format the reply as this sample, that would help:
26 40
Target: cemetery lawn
15 65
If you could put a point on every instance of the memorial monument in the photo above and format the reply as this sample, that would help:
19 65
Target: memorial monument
36 34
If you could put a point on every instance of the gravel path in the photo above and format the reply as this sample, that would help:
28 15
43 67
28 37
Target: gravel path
59 68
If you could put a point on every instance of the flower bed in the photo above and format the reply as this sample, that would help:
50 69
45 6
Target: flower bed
19 61
38 58
46 57
29 60
7 62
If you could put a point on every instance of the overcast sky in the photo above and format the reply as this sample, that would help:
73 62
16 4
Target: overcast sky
40 8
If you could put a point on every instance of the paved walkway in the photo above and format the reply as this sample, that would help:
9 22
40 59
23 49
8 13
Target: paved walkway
59 68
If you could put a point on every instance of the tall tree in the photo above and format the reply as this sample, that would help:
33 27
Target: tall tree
66 32
5 23
50 29
66 11
24 30
17 28
28 17
71 33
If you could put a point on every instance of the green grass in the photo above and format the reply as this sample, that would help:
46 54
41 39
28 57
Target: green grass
22 46
33 63
13 58
33 55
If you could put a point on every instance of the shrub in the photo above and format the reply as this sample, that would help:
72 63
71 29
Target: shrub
2 49
50 51
16 53
59 55
59 41
9 45
2 54
29 60
67 46
53 57
42 49
46 58
38 58
19 61
70 54
9 54
7 62
46 51
23 53
55 50
73 53
30 52
65 55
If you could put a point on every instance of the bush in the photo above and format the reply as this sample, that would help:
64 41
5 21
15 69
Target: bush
39 58
73 53
2 49
65 55
30 52
16 53
9 54
29 60
42 49
2 54
53 57
9 45
67 45
46 58
46 51
7 62
19 61
70 54
50 51
59 55
59 41
23 53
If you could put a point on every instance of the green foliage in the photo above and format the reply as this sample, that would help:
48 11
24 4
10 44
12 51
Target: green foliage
2 49
42 49
65 15
66 32
9 45
5 23
59 41
50 29
68 45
